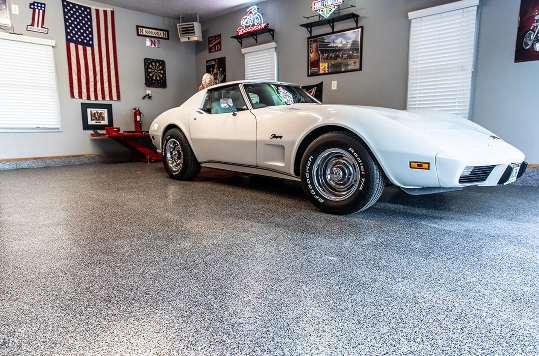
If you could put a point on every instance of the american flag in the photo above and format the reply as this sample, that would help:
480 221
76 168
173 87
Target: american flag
91 52
38 15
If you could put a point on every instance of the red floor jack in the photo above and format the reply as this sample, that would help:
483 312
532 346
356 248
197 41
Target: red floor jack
140 152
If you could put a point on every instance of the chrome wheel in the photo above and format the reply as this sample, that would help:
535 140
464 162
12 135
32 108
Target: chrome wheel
527 41
336 174
174 154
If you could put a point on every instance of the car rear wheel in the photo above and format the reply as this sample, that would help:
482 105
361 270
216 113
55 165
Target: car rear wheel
178 157
339 175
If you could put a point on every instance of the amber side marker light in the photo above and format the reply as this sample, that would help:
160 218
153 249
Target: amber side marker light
420 165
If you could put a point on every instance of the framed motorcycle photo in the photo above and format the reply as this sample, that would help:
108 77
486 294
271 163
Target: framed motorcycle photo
527 46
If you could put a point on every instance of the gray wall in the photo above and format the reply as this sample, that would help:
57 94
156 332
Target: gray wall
506 94
181 83
503 94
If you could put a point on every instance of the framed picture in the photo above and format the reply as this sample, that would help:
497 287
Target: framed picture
527 46
4 14
333 53
96 116
217 67
214 43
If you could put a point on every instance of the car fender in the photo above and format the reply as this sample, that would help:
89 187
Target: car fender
175 117
392 144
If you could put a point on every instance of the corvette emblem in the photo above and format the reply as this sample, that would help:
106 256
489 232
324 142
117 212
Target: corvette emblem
275 136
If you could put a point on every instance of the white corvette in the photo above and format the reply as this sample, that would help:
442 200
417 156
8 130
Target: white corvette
343 154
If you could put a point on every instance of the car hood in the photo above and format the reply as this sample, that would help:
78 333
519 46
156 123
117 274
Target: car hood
442 129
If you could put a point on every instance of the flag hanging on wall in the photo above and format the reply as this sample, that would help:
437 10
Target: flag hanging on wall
91 52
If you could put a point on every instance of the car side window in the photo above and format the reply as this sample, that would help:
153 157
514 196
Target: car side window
213 105
206 104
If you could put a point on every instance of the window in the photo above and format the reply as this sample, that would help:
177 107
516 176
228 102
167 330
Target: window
261 62
442 57
28 88
263 95
224 100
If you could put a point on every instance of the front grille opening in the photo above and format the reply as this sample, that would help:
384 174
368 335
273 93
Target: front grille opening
475 174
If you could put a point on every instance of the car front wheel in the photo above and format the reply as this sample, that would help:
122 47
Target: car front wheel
339 175
178 157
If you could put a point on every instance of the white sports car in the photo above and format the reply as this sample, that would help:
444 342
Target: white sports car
343 154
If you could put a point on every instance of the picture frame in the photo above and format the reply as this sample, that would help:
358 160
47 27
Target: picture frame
4 14
96 116
217 68
527 42
214 43
336 52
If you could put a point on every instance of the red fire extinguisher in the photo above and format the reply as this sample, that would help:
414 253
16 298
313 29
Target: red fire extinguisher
137 116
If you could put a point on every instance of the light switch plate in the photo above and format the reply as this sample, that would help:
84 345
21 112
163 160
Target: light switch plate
14 9
334 85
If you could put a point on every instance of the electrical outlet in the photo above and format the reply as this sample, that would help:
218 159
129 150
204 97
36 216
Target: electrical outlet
149 92
334 85
14 9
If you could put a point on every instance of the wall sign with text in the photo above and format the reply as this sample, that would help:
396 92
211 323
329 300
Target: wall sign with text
152 32
214 43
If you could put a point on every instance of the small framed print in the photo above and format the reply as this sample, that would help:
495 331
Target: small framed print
214 43
4 14
96 116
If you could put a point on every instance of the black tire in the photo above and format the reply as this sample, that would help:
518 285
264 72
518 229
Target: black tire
178 157
527 39
339 175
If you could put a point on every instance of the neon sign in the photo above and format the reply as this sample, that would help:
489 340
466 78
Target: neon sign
253 21
326 7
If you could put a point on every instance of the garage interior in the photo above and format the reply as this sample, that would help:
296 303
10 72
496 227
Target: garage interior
101 255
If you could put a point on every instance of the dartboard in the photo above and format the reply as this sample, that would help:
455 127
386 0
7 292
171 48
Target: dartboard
155 73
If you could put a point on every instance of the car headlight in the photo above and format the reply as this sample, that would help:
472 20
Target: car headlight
154 127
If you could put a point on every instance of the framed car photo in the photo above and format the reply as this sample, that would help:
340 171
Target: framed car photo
337 52
96 116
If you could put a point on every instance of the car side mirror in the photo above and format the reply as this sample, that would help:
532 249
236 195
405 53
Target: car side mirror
227 103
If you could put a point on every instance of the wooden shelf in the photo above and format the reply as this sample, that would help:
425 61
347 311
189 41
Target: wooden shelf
331 22
254 34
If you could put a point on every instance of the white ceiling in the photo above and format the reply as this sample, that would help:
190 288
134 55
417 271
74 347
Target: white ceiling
206 9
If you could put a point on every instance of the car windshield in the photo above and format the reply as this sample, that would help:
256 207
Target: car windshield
263 95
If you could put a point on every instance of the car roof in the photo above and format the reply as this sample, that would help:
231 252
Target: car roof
249 82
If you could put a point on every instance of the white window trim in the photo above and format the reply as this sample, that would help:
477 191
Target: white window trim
457 5
55 124
259 47
264 47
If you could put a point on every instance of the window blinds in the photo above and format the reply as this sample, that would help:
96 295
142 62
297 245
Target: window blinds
442 53
28 88
261 62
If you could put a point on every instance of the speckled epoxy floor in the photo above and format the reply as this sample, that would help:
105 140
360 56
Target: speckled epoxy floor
118 259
